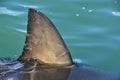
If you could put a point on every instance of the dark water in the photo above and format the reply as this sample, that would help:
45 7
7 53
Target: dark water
91 29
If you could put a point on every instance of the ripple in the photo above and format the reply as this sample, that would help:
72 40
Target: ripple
9 64
96 30
116 13
77 60
77 14
92 29
90 10
96 44
20 30
83 8
28 6
69 37
4 10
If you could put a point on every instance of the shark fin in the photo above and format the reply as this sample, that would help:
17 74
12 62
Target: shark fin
43 41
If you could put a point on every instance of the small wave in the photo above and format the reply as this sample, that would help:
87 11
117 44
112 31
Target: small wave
20 30
8 65
69 37
116 13
28 6
76 60
4 10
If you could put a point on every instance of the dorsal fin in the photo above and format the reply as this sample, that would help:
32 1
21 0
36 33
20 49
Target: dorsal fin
43 42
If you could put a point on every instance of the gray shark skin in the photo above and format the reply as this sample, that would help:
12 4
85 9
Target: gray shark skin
43 42
46 57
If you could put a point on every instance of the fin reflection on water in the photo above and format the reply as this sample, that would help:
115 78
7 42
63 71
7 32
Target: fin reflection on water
46 57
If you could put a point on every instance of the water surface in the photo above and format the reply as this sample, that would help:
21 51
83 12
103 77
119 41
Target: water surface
91 29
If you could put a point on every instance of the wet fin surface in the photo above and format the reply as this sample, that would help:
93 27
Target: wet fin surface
43 42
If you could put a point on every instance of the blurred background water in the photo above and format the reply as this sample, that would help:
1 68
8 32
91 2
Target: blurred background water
91 29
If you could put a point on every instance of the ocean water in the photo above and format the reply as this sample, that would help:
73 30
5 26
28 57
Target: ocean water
90 28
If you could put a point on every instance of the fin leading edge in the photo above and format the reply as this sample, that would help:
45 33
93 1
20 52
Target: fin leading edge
43 42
